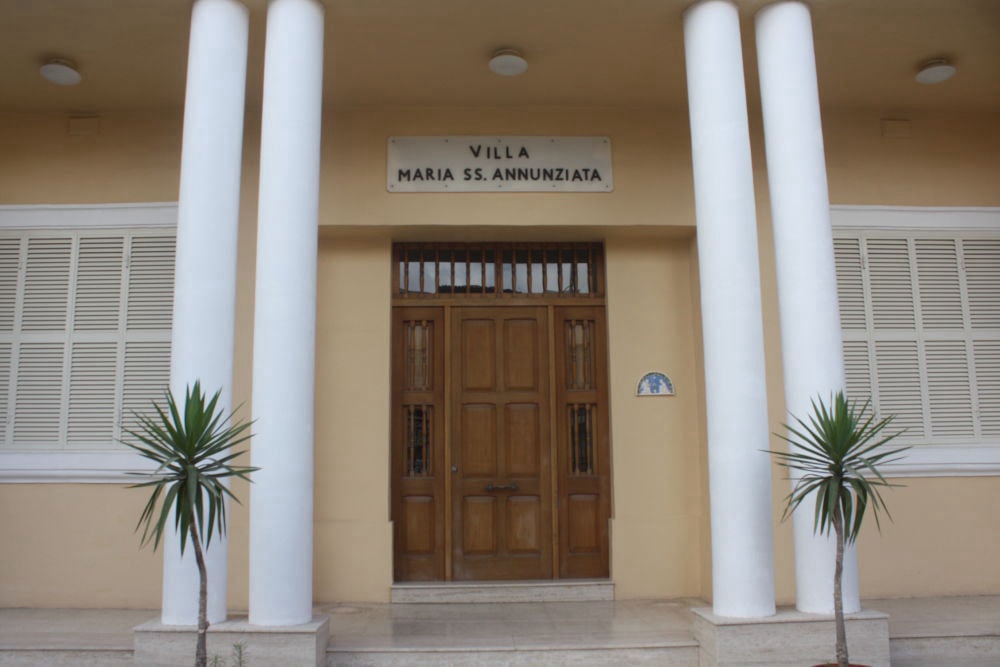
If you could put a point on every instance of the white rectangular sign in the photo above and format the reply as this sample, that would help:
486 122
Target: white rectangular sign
499 164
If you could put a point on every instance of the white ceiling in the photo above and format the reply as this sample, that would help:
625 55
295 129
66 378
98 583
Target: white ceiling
582 53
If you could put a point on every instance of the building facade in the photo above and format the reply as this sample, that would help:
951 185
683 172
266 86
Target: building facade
448 385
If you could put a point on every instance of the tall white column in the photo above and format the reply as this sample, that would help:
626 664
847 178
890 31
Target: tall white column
735 388
205 273
281 498
807 280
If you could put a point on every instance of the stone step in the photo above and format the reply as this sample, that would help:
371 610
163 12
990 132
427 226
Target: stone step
607 656
576 590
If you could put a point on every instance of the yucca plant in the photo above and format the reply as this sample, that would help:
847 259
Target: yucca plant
192 452
837 454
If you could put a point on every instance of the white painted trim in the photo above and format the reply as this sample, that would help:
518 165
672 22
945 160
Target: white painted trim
68 467
942 218
947 461
79 216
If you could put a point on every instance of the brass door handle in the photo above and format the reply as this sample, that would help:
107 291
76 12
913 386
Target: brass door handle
502 487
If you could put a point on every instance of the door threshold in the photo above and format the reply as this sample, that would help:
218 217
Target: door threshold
541 590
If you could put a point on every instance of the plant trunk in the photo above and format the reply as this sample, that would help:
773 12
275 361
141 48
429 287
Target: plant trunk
201 650
838 596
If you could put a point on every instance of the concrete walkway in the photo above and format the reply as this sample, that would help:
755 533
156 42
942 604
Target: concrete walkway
925 632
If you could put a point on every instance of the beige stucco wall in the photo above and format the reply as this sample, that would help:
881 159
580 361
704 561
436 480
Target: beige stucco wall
660 514
353 535
660 536
72 545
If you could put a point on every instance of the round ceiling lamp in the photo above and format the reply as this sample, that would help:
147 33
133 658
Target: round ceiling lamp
61 72
935 71
508 62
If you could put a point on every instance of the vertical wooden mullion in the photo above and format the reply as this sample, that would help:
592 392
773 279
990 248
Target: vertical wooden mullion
590 269
553 437
445 398
529 267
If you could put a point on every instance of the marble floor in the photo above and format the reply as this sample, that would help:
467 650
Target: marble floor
925 632
512 625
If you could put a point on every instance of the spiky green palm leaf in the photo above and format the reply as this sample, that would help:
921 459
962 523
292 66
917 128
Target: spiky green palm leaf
837 453
191 450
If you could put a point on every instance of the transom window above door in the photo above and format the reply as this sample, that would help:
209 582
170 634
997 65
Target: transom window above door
498 270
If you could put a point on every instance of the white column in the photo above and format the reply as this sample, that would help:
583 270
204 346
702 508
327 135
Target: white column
205 273
735 388
281 498
807 281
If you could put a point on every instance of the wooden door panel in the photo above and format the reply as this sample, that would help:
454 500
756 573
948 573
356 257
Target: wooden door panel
479 529
583 511
500 510
524 525
478 353
418 524
502 492
418 470
523 431
584 454
521 371
477 439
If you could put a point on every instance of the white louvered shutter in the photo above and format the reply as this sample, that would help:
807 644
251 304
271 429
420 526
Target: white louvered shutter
10 259
38 401
98 284
93 375
986 355
40 369
5 378
898 385
84 334
890 284
921 330
150 303
147 374
850 284
982 276
151 283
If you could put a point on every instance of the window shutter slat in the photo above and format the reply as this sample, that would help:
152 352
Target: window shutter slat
92 394
10 256
151 282
39 394
986 357
5 358
982 276
938 282
98 284
850 283
147 374
949 388
46 287
898 381
890 284
857 370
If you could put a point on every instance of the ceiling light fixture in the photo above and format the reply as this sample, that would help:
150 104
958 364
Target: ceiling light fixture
508 62
61 72
935 71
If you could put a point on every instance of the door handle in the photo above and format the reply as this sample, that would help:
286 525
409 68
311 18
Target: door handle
502 487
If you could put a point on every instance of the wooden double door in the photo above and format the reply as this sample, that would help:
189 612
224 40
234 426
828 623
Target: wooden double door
500 460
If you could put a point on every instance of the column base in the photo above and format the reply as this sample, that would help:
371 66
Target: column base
788 639
158 645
